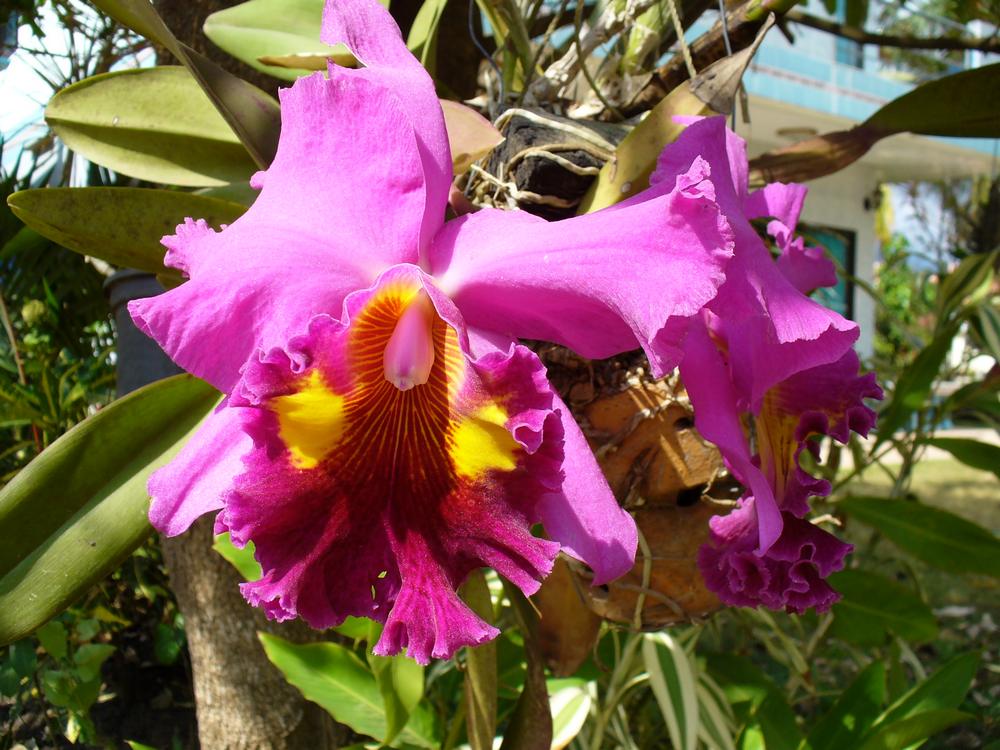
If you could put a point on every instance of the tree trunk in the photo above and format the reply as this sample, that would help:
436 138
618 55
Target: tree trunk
243 701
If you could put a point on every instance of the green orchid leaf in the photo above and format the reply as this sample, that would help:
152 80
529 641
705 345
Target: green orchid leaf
937 537
274 28
123 226
253 115
335 678
76 511
152 123
872 606
963 105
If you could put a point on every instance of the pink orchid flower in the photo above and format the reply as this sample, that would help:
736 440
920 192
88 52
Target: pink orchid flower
383 433
762 347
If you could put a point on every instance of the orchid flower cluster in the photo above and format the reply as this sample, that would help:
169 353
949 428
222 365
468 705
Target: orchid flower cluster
383 431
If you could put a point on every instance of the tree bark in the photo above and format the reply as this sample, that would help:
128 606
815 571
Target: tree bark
243 701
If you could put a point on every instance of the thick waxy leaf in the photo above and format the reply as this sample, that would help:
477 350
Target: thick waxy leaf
974 453
72 515
963 104
123 226
873 606
252 114
480 669
853 714
710 92
274 28
672 681
151 123
335 678
935 536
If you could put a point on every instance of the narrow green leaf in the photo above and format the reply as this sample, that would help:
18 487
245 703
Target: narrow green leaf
252 114
974 453
78 509
241 558
914 386
152 123
273 28
853 714
937 537
422 39
872 606
123 226
570 707
944 689
480 688
908 732
716 722
970 278
671 679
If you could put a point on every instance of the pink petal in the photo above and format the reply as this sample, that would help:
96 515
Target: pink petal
343 200
806 268
597 283
197 480
372 35
584 516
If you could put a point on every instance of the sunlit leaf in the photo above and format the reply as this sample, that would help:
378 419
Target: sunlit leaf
152 123
962 104
76 511
974 453
123 226
671 679
422 39
570 706
251 113
335 678
241 558
274 29
935 536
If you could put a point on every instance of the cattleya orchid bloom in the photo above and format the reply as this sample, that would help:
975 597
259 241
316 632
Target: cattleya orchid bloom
762 347
382 432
